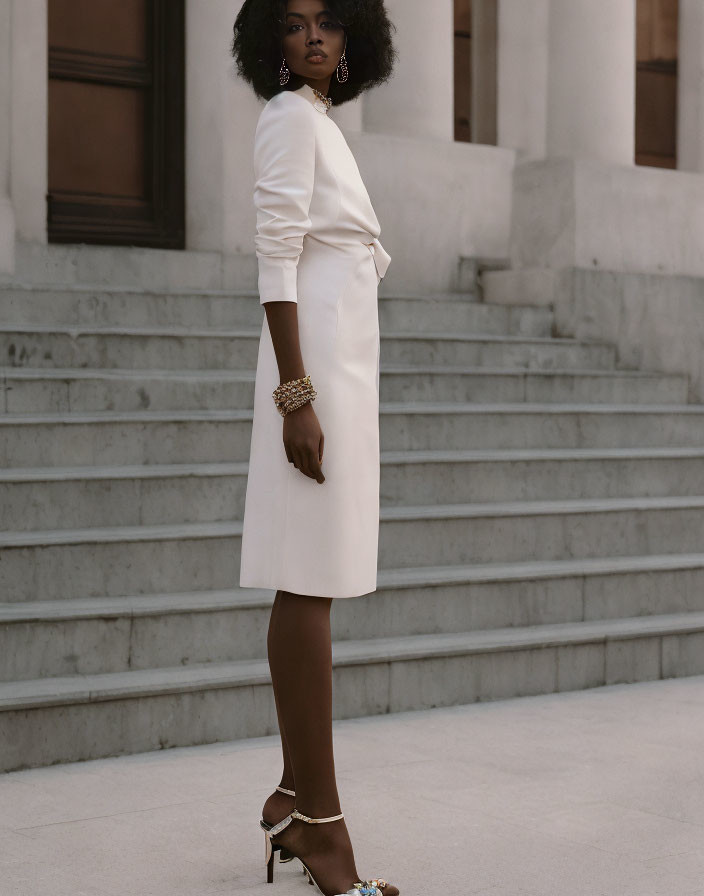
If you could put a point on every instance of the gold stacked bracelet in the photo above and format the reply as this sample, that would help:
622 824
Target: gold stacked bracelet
291 395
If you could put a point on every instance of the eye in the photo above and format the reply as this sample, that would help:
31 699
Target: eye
297 24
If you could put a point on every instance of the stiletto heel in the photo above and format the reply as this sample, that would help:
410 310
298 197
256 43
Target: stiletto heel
372 887
269 859
284 854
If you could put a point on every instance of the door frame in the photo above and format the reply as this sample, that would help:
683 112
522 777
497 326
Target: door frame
160 222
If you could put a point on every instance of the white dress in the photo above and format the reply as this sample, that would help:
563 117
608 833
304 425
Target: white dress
316 244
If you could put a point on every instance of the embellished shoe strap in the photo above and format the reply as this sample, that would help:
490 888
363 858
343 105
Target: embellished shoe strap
297 814
367 888
283 790
284 823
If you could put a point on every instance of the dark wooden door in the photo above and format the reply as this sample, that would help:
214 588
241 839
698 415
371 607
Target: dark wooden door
656 83
116 122
463 70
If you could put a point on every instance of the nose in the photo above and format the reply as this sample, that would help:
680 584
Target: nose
315 33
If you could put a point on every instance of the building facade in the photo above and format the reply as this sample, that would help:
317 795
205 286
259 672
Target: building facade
541 508
546 80
131 128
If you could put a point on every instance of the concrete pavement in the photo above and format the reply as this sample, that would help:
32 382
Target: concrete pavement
585 793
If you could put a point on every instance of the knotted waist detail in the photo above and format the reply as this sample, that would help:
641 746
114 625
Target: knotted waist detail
380 255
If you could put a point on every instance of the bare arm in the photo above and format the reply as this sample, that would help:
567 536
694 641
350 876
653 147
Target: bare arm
302 435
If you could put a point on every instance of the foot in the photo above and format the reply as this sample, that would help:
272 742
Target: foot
327 851
278 806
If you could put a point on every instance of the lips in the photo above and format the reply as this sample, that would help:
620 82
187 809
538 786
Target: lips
316 53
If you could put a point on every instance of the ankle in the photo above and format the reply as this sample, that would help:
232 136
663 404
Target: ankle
313 810
287 786
276 806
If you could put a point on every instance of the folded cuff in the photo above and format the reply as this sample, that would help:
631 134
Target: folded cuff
278 279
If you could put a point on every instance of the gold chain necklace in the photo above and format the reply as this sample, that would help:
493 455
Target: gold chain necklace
321 96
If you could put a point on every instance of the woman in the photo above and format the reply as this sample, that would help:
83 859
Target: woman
311 532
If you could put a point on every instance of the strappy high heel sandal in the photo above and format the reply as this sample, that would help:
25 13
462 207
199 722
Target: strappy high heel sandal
360 888
285 855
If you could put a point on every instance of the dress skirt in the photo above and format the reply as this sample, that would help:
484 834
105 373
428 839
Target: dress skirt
300 535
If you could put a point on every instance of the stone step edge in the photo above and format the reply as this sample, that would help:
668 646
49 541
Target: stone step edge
37 693
410 456
175 603
103 290
245 375
401 513
392 408
77 330
109 290
473 407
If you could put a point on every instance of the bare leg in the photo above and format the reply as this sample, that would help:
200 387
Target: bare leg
278 805
300 659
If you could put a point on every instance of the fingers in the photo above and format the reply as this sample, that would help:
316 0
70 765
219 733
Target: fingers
314 467
311 464
306 459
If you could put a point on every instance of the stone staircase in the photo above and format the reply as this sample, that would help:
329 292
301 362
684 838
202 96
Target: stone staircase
542 523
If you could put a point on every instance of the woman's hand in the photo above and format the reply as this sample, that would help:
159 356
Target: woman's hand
303 441
303 438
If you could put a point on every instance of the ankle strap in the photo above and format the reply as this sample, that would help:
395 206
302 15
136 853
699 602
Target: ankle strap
285 822
297 814
283 790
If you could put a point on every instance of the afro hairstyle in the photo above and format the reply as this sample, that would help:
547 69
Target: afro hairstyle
259 30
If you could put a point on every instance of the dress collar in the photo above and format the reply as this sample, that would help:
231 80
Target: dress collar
307 92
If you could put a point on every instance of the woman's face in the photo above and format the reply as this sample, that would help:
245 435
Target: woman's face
311 27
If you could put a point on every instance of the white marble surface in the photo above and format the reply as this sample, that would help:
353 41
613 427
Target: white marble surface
578 794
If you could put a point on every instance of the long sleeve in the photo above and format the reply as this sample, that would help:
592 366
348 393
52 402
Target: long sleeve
284 167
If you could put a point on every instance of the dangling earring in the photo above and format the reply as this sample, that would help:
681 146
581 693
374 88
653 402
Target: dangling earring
342 66
284 73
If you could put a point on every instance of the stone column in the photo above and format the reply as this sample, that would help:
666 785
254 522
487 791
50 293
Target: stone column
29 111
7 216
221 111
522 76
591 80
690 99
418 100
